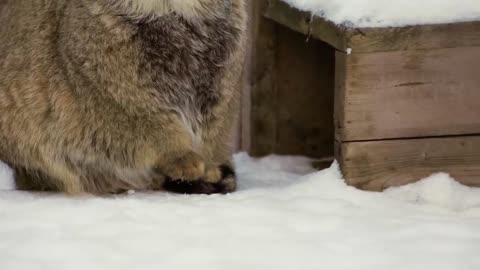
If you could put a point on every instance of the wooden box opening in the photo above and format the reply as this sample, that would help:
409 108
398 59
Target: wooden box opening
294 115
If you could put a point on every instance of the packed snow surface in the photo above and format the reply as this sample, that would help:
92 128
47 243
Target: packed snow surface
382 13
284 216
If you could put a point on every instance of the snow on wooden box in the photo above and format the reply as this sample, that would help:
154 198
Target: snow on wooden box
407 99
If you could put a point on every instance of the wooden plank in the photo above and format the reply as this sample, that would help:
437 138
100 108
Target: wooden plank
254 13
304 102
377 165
410 94
419 37
262 83
339 96
307 24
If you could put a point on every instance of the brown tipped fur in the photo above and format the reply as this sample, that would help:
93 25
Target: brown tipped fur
97 99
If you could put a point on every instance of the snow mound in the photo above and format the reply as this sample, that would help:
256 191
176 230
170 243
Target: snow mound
279 219
6 178
381 13
440 190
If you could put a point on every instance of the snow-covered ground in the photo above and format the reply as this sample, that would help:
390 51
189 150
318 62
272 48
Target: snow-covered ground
382 13
285 216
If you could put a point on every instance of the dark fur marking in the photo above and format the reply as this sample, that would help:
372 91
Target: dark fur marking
188 187
201 187
175 48
32 180
227 171
196 187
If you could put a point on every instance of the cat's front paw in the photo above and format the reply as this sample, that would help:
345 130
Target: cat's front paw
188 167
228 182
225 183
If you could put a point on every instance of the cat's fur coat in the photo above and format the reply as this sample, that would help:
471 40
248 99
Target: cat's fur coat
103 96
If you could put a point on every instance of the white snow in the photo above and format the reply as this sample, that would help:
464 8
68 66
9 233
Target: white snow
279 219
383 13
6 178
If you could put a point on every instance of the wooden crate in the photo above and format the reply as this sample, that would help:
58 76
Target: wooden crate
407 99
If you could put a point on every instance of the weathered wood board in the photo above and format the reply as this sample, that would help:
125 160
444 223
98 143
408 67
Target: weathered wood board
402 94
262 83
376 165
418 37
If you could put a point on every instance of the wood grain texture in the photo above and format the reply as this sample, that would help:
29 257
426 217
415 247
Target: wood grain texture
307 24
377 165
409 94
419 37
339 96
244 141
262 83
